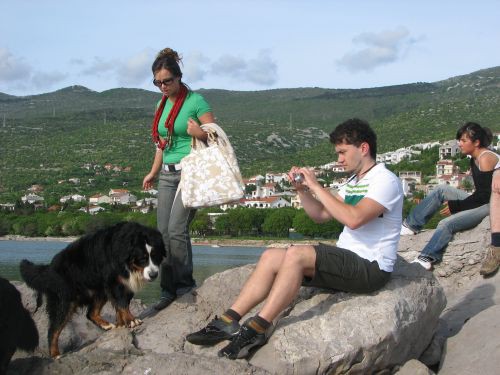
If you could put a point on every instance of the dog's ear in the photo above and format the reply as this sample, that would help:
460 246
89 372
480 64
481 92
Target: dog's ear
155 239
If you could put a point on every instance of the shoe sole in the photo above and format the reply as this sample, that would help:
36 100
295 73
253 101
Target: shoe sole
244 352
208 342
162 305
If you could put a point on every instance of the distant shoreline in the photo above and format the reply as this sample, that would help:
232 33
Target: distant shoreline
195 241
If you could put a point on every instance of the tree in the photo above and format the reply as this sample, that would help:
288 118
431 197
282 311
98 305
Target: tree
223 225
305 225
279 221
201 224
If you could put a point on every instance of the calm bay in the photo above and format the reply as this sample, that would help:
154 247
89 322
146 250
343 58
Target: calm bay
207 260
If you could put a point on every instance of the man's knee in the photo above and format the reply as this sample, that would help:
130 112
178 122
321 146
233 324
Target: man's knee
273 256
302 254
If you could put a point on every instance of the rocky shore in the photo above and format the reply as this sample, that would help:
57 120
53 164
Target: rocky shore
445 321
195 241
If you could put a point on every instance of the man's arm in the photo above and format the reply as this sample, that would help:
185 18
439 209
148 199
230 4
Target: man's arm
351 216
325 206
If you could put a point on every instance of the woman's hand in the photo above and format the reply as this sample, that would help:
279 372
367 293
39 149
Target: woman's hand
445 211
147 182
195 130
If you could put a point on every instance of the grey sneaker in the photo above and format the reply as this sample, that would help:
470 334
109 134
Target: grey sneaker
424 261
246 339
216 331
491 261
406 230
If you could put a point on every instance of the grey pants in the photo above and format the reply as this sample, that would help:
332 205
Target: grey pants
176 272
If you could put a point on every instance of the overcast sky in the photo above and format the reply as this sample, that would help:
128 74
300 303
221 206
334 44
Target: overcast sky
46 45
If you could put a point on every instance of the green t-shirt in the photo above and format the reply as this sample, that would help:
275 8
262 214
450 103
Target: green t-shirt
194 106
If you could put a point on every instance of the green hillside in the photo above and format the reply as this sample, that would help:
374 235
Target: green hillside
48 137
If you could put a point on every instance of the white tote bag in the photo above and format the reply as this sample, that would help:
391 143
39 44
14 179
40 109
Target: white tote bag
210 174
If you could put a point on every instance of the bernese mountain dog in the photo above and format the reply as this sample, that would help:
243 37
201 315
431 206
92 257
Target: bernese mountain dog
17 328
110 264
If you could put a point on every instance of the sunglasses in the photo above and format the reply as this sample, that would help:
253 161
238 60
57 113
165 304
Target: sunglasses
166 81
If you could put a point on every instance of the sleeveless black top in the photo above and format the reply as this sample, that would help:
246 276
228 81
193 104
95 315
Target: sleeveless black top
482 192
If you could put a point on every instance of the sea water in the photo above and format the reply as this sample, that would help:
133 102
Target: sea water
207 260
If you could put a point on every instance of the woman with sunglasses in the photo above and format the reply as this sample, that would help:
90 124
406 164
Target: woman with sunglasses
463 211
178 117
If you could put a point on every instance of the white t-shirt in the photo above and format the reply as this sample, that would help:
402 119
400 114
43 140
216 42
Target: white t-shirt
377 239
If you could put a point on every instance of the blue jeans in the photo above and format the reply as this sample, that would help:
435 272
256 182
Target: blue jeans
176 271
444 232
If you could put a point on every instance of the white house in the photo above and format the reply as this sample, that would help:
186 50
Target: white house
446 167
99 198
151 191
448 149
295 202
413 175
7 206
231 205
32 198
273 178
92 209
147 202
74 198
264 191
122 196
266 202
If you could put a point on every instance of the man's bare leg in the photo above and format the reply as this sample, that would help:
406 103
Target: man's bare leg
260 282
299 261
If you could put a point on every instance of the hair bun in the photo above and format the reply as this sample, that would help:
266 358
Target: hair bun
168 53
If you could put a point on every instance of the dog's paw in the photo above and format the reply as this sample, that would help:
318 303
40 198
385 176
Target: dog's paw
108 326
134 323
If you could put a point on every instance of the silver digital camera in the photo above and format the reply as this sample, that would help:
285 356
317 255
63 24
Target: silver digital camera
298 178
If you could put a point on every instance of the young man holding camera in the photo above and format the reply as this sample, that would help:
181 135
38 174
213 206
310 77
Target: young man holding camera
369 205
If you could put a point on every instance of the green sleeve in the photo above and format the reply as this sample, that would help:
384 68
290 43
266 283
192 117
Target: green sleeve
202 106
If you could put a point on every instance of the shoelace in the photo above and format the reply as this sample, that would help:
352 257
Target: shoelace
245 335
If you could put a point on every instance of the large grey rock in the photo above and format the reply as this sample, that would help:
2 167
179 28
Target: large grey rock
320 333
345 333
467 292
414 367
461 260
476 348
78 332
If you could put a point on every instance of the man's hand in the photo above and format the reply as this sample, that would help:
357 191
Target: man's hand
309 180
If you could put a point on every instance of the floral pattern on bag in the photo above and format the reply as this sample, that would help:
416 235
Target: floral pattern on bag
210 174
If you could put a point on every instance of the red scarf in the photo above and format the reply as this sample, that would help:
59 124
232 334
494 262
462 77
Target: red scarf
169 124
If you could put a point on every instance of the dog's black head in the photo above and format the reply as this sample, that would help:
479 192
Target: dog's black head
145 250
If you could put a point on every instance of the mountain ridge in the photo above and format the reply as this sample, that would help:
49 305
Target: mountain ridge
270 130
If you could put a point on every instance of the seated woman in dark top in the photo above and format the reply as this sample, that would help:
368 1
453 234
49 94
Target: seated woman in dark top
464 211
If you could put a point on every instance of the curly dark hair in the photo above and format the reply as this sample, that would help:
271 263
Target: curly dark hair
476 132
354 132
168 59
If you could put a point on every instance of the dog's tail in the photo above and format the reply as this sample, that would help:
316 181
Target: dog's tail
39 278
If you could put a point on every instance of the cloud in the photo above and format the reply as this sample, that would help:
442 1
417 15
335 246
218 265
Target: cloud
261 70
196 67
136 69
131 72
381 48
98 67
44 80
12 68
